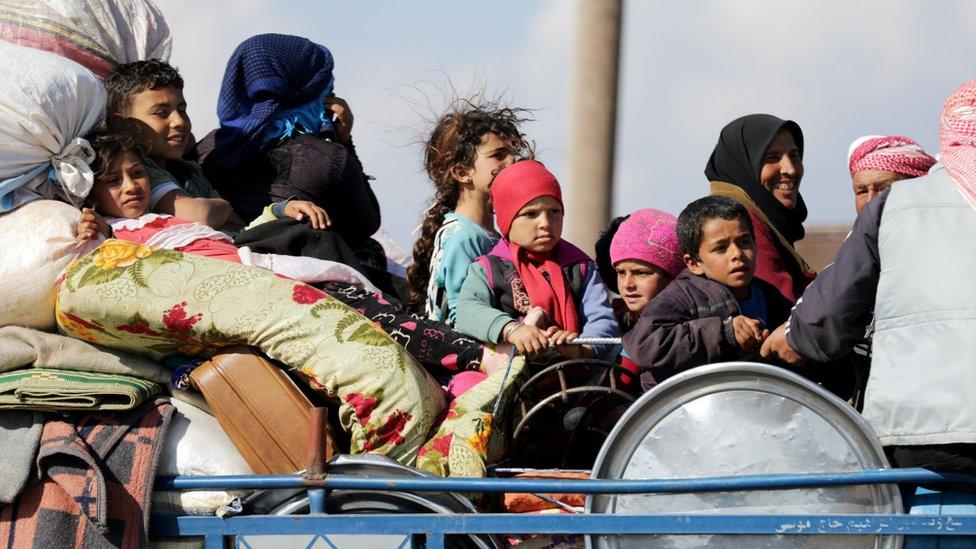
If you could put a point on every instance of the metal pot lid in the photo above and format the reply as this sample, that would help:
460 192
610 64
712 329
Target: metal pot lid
368 465
742 418
291 502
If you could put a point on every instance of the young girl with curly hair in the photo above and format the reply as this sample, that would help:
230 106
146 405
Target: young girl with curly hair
469 145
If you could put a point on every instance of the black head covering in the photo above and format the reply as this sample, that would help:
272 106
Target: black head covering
603 264
737 159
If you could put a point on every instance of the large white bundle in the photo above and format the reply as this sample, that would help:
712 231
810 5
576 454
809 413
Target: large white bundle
196 445
47 104
37 241
96 33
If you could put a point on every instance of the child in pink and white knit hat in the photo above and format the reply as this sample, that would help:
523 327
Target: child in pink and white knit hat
646 255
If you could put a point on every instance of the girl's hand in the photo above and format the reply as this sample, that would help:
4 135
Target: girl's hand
560 340
529 340
91 225
343 120
537 316
298 209
560 337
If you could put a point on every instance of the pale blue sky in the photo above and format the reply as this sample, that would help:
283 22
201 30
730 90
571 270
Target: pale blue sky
840 68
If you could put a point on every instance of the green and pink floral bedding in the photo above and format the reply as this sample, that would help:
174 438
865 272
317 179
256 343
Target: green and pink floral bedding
158 302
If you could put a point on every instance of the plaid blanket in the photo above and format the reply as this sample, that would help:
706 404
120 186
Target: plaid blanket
54 390
97 473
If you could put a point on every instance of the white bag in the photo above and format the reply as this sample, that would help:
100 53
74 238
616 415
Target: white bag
98 34
37 241
47 104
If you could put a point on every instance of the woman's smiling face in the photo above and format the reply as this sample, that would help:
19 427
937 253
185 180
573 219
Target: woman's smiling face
782 169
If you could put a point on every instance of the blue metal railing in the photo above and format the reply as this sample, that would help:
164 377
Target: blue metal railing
435 527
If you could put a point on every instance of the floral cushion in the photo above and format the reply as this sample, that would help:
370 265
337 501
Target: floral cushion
470 436
159 302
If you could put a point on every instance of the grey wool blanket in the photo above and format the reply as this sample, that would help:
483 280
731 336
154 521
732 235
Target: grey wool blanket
20 430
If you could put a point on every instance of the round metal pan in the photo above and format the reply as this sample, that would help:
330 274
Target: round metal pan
340 502
741 418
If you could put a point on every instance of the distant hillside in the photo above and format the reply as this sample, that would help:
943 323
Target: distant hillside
820 245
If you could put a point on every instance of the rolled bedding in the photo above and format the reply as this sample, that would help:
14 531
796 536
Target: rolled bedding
156 303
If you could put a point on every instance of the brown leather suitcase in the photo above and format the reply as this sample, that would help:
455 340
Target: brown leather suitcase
264 413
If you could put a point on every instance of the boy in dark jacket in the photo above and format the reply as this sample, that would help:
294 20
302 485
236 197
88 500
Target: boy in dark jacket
715 310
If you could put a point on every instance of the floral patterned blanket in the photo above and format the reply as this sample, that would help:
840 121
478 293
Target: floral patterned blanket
157 302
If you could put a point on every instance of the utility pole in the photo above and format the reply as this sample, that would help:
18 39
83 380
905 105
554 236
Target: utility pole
593 120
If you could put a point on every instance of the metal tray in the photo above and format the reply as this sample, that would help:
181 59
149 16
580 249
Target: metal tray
742 418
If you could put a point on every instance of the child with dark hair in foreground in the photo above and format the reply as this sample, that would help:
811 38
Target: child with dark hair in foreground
714 310
147 96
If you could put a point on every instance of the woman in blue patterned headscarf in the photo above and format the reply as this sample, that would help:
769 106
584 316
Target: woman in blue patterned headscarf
283 134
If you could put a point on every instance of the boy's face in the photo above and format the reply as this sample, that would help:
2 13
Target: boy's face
538 226
638 282
727 255
124 190
163 122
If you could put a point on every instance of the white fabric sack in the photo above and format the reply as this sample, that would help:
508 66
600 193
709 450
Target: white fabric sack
38 241
196 445
98 34
47 103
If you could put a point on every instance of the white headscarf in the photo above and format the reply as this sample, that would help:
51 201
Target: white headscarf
47 104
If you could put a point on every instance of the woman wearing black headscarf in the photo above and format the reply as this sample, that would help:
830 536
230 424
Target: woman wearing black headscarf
758 162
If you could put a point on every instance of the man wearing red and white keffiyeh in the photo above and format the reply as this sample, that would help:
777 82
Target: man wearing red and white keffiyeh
909 261
958 135
877 161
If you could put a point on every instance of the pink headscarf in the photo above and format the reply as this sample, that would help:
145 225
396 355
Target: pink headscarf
651 236
958 136
892 153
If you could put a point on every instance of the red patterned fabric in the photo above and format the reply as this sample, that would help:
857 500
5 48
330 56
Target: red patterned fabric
958 136
892 153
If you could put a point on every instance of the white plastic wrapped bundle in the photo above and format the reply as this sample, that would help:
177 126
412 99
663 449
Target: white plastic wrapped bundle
47 103
95 33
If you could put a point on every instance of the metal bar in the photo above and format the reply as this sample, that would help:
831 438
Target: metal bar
316 443
439 524
564 486
595 341
435 540
316 502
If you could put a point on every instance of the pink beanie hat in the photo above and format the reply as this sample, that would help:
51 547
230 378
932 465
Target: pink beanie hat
650 236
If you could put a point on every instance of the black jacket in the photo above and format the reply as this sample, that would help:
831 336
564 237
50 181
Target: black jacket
305 167
686 326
